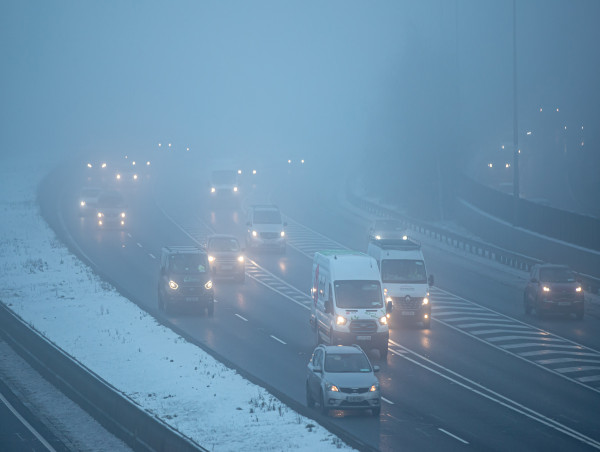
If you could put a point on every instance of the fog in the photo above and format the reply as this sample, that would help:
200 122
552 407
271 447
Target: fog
404 89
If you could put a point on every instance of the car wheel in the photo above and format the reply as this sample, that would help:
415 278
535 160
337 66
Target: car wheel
526 305
376 411
310 402
324 409
383 352
210 309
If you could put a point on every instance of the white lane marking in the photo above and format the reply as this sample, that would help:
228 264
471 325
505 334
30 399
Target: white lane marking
387 401
245 320
152 255
139 244
278 340
453 436
493 396
26 424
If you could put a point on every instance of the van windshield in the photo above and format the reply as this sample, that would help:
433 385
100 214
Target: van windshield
267 217
403 271
357 294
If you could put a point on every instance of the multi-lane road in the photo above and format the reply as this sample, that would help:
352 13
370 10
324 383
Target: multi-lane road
485 376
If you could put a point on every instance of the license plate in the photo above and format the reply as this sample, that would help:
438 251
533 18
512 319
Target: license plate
191 298
363 338
564 303
354 398
408 312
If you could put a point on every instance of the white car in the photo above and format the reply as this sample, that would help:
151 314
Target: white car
265 228
342 377
111 210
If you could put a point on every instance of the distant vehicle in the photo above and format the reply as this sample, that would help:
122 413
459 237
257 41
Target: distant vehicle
88 200
224 183
185 279
127 176
553 289
111 210
265 228
386 229
226 257
341 377
404 277
348 306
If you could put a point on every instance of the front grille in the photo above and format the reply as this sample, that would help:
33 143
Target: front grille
354 390
227 260
270 235
407 302
363 326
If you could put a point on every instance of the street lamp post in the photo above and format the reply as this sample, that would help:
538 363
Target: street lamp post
516 194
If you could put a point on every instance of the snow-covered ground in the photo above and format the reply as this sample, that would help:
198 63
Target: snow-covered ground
66 302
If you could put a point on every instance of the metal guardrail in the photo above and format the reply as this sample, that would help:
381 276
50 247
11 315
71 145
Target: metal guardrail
122 416
475 247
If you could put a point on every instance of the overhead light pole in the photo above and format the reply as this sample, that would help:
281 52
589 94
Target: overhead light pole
516 188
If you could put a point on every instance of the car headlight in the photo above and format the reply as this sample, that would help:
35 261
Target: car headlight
122 214
578 289
377 237
374 388
135 176
331 387
100 214
340 320
82 203
240 259
99 222
173 285
546 289
282 233
254 233
208 285
118 177
213 189
211 258
425 301
383 320
235 189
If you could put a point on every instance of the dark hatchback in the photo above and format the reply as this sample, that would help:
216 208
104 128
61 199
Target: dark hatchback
553 289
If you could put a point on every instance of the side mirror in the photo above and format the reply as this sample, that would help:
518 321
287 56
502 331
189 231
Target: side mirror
375 368
317 369
389 306
430 280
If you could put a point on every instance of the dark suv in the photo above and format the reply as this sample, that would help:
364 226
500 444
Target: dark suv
184 279
553 288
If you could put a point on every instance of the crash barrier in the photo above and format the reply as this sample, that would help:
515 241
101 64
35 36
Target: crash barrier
468 245
119 414
578 229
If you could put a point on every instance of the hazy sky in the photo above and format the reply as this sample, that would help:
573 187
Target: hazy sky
294 78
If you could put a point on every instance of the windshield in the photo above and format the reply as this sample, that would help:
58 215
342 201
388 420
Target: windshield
188 263
223 244
346 362
224 177
388 225
403 271
557 275
358 294
267 217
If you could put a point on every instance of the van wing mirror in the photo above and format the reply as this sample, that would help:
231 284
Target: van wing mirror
431 280
375 368
389 306
317 369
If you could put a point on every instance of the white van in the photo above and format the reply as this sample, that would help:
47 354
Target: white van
348 304
404 278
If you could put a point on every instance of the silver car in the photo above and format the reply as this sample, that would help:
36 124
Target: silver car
341 377
226 257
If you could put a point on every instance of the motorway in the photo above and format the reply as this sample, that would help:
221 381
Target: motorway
484 377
